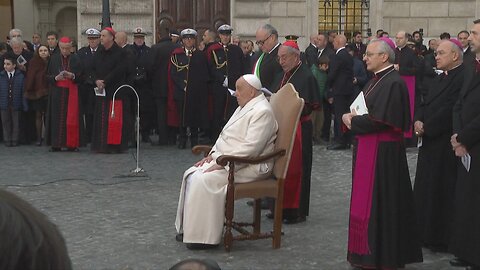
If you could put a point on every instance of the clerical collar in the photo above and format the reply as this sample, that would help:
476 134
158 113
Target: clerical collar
401 48
383 71
340 49
274 47
465 49
314 45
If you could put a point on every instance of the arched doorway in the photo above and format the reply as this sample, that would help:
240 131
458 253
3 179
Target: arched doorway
66 22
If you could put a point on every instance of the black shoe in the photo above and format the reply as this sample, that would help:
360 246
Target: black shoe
179 237
472 267
197 246
438 248
294 220
14 144
73 149
39 142
457 262
338 146
55 149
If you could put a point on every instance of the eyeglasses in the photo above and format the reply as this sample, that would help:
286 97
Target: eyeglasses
369 54
261 42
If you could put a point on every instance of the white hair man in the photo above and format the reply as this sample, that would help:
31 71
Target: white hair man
250 132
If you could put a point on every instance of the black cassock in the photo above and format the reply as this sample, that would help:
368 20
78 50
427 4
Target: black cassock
111 134
224 62
306 85
436 172
64 122
465 241
189 81
382 226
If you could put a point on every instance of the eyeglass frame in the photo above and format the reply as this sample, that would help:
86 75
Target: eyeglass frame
262 42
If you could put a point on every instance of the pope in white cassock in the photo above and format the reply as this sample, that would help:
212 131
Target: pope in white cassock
250 132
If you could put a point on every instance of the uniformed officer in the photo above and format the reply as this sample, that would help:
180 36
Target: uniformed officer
87 94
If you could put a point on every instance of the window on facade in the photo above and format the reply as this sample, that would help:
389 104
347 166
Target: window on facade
344 16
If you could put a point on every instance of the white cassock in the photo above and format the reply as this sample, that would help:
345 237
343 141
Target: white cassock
250 132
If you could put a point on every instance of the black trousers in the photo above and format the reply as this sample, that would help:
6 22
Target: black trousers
327 120
341 105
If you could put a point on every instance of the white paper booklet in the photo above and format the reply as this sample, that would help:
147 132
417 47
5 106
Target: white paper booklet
359 105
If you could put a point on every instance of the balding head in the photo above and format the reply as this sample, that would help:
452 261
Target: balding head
339 42
121 39
449 55
401 39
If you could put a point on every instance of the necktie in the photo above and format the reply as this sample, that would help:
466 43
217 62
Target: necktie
11 76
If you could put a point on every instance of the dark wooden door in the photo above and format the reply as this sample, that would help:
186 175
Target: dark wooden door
197 14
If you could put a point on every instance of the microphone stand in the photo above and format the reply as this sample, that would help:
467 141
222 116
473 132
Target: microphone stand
138 169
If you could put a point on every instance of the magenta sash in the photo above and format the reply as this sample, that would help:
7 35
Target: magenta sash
410 82
362 188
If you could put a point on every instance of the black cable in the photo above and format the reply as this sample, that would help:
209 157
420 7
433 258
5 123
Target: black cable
144 178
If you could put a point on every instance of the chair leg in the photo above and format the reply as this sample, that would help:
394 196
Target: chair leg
257 216
277 224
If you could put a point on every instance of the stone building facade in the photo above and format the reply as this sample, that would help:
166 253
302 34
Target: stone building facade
300 17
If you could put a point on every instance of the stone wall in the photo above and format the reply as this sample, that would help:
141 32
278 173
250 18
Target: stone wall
434 16
126 15
294 17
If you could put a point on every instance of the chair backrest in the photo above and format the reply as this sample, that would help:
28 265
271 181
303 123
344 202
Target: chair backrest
287 107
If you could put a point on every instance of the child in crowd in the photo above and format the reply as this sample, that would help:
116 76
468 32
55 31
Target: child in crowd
11 100
320 73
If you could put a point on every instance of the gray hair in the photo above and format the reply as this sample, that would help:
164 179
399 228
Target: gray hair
454 48
385 48
10 34
291 50
16 40
270 30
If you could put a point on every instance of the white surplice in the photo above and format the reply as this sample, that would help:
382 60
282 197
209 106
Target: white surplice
250 132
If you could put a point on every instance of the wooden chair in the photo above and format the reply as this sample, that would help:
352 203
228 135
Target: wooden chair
287 107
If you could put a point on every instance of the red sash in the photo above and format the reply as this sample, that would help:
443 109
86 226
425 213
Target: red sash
173 119
410 82
115 124
293 180
362 188
72 123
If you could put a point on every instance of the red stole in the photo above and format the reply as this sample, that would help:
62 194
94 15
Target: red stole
73 115
115 124
410 82
362 188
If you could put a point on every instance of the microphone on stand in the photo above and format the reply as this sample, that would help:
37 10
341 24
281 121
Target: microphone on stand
137 170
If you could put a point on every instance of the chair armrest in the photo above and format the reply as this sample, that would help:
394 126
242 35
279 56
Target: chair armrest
223 160
198 149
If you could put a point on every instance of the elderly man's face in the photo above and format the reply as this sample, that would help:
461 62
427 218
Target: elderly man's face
474 38
17 48
446 56
138 40
244 92
287 59
401 39
65 48
264 40
374 59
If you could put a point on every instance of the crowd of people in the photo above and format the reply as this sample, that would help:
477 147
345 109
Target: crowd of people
189 90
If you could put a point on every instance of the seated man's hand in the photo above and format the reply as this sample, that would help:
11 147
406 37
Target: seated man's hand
213 168
203 161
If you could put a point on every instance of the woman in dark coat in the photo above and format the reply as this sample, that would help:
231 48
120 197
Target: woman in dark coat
36 87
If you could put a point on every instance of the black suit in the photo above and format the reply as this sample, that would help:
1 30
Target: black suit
160 56
466 123
269 67
358 50
87 94
340 79
407 60
311 54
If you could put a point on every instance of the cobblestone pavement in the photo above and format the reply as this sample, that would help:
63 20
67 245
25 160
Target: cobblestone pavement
112 221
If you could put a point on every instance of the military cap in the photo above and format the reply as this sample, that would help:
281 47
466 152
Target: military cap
92 32
188 33
291 38
225 29
138 32
174 33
